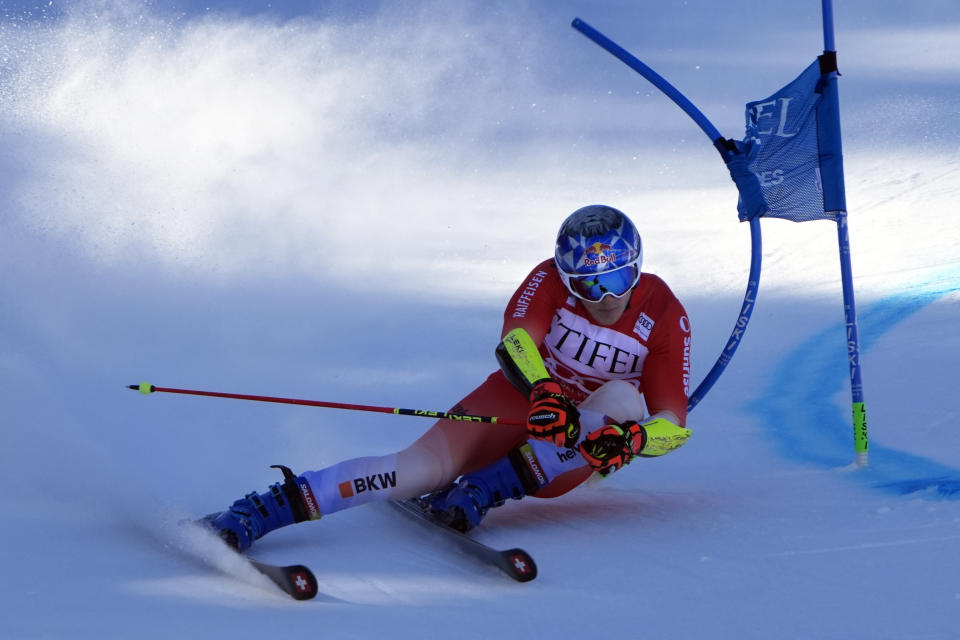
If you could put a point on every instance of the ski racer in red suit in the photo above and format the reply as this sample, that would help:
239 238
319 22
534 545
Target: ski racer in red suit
587 340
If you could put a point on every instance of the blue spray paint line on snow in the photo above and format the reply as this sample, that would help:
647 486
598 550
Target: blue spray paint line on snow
805 425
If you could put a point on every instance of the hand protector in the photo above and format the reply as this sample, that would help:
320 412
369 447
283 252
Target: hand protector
552 416
614 445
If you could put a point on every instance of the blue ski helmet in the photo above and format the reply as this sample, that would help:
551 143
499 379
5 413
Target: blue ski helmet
598 252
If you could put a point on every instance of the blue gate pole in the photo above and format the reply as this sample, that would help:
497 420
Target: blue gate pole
835 202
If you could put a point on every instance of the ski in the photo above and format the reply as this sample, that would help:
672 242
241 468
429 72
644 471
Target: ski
199 542
295 580
516 563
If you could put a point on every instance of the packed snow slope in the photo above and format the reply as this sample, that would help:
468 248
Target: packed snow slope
336 205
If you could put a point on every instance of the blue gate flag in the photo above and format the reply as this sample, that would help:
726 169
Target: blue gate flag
792 151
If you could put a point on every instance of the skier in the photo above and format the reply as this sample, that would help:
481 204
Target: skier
586 339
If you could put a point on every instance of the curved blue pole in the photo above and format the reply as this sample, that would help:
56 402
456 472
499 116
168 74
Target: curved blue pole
756 253
749 300
656 79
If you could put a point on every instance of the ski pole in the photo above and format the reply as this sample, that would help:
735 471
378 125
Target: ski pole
146 388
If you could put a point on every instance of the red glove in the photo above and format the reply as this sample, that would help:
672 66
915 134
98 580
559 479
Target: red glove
552 416
612 446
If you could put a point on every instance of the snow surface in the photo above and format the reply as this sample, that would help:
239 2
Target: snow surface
336 204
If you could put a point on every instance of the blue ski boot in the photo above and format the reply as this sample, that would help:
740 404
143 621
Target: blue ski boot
464 503
253 516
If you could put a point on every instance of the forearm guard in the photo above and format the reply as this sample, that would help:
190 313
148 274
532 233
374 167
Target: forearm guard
520 361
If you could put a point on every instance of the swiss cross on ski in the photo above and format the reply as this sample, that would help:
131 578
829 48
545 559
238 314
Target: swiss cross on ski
520 564
301 583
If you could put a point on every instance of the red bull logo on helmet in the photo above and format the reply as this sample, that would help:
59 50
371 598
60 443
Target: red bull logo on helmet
597 254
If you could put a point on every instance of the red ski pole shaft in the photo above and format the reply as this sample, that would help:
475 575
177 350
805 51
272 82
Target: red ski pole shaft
146 388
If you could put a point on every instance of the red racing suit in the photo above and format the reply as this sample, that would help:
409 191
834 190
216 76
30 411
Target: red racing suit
649 346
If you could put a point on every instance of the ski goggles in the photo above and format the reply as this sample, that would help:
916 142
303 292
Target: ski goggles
594 287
